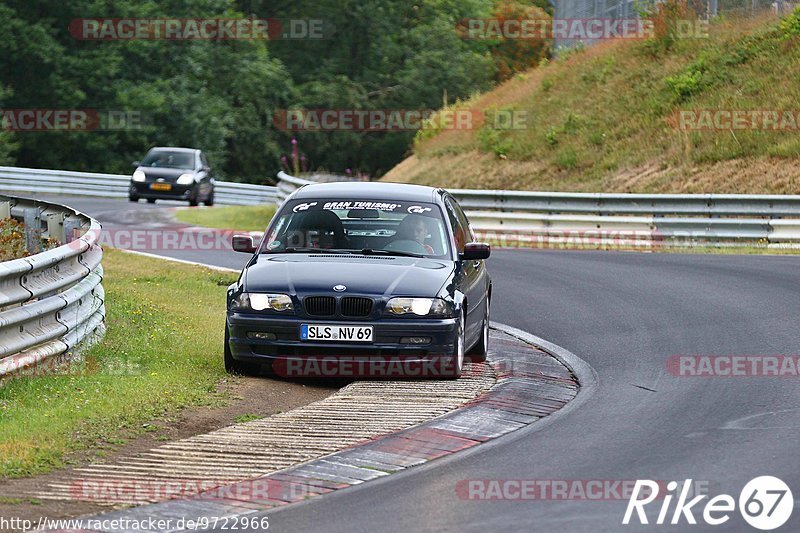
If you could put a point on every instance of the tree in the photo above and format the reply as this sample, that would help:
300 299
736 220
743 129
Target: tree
213 95
221 96
516 55
377 54
7 144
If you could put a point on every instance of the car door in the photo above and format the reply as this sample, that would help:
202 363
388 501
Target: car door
473 280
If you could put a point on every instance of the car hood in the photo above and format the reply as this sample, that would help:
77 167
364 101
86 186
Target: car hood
368 275
167 173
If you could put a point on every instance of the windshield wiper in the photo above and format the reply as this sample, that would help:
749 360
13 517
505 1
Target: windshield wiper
364 251
370 251
303 250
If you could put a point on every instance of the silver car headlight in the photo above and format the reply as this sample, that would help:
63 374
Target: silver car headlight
185 179
139 176
433 307
258 301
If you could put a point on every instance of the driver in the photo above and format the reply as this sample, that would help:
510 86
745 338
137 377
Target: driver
414 228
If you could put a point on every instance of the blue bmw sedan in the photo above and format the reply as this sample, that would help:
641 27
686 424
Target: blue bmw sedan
361 279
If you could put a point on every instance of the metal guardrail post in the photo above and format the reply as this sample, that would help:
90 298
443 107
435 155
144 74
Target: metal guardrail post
55 227
71 228
33 230
5 210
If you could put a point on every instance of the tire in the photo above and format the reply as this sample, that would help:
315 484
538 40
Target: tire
193 198
456 364
234 367
479 352
151 200
133 198
210 200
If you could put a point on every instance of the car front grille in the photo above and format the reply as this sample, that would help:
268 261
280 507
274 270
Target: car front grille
320 305
356 307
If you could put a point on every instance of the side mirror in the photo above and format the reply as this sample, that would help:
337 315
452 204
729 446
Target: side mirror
473 251
243 243
136 164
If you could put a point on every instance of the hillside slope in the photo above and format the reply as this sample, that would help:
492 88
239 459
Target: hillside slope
606 119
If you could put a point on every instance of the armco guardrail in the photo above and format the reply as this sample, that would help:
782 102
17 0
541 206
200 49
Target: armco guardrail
34 180
50 302
519 218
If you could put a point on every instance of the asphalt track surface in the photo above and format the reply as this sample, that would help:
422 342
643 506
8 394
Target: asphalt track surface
625 314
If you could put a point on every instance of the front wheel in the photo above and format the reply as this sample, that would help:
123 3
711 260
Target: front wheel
193 198
132 198
232 366
453 366
210 200
480 351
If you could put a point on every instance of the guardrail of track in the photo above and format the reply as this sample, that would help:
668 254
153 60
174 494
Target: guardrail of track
51 301
552 219
521 219
35 180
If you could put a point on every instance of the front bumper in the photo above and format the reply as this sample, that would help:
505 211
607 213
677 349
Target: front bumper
177 192
292 357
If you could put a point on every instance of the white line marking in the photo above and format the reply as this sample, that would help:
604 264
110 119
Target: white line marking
174 260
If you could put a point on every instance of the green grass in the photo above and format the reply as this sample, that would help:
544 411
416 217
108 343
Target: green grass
245 218
730 250
604 119
162 352
243 419
662 247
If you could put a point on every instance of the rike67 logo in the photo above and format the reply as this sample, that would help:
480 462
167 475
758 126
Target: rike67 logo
765 503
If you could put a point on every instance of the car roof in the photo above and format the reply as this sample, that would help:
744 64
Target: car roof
366 190
174 149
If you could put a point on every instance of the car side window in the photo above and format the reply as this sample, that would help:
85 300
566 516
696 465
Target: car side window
462 217
459 223
203 160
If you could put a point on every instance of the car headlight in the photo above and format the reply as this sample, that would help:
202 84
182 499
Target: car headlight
257 301
139 176
185 179
420 307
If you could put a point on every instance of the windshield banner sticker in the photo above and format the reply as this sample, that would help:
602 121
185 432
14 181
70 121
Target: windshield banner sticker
381 206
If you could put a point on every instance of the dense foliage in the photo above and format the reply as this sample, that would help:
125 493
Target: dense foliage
12 240
221 96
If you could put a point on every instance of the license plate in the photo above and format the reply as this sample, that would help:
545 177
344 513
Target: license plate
161 186
331 332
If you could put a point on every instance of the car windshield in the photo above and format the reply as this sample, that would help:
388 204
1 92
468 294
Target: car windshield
168 159
368 227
